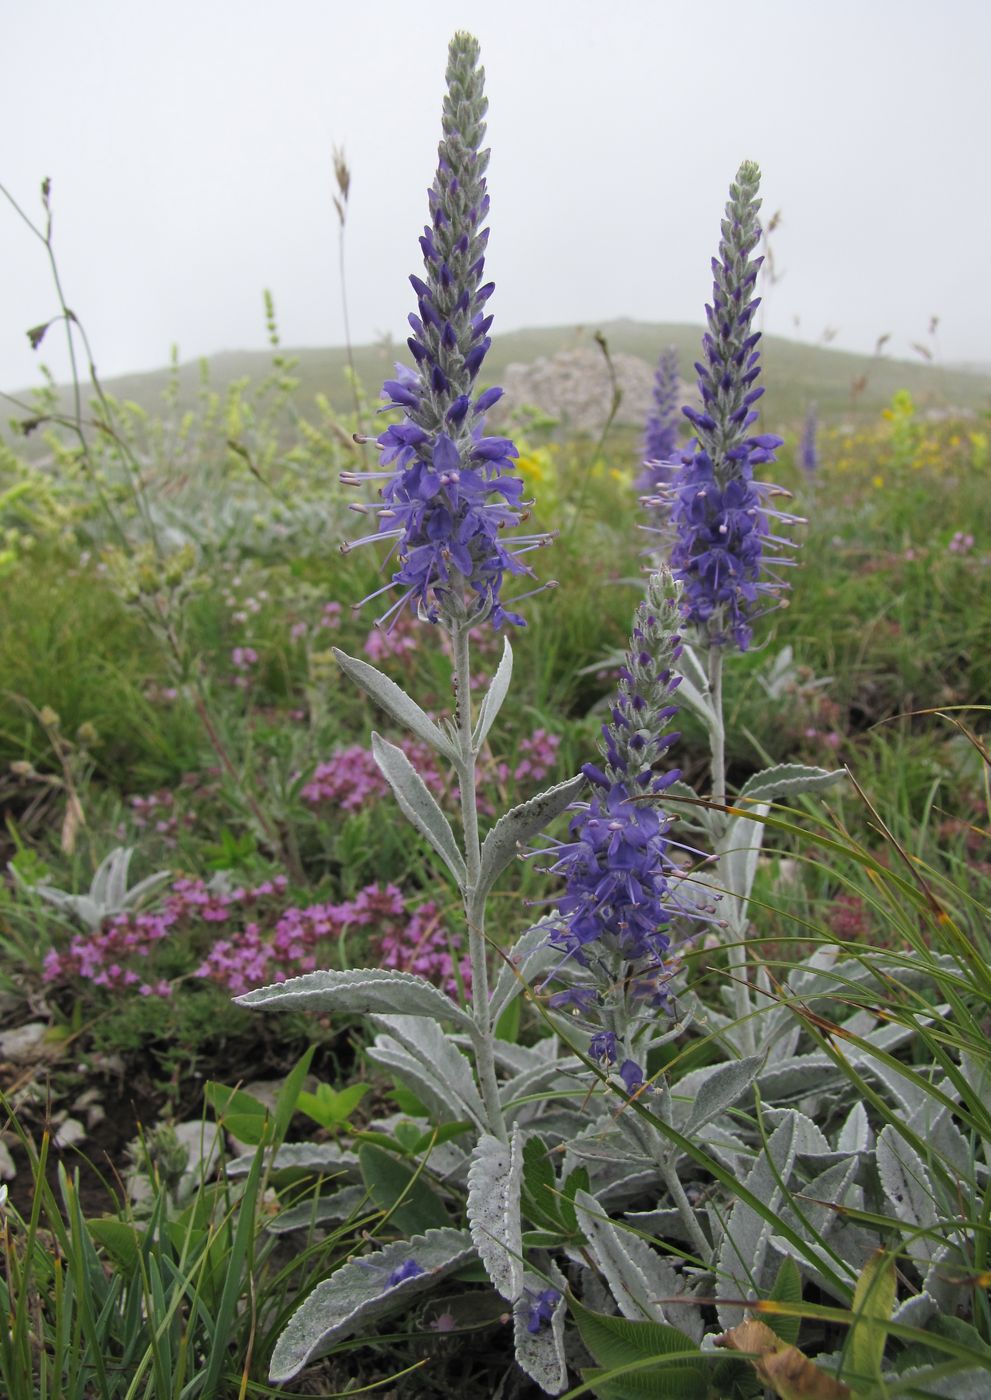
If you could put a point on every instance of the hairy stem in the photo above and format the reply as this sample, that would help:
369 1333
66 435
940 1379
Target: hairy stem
474 901
736 951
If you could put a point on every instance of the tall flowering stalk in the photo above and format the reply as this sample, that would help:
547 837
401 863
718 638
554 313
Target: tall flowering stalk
624 893
448 498
448 493
660 439
724 551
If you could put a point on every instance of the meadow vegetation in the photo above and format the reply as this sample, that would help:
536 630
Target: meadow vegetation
193 809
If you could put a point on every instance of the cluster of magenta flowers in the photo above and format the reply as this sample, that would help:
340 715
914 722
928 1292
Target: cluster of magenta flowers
448 492
251 938
720 514
623 889
660 439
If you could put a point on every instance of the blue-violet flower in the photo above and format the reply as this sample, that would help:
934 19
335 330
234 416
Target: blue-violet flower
660 440
719 513
449 494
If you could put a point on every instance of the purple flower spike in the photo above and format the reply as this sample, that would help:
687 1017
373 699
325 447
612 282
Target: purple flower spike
623 889
449 496
719 513
808 450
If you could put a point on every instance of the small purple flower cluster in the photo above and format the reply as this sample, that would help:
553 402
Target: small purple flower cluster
808 447
539 756
449 493
719 513
269 945
351 778
425 947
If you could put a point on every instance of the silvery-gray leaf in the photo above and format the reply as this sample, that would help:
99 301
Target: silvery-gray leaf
856 1134
617 1186
396 703
798 1077
361 990
520 824
687 813
810 1140
442 1107
936 1128
418 806
494 1182
636 1274
529 957
816 1262
908 1188
813 1212
561 1072
358 1294
743 1254
915 1312
739 850
734 1154
786 780
945 1266
325 1158
962 1385
494 696
712 1090
441 1060
541 1354
319 1210
903 1091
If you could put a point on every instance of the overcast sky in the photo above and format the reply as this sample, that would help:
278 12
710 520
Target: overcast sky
189 146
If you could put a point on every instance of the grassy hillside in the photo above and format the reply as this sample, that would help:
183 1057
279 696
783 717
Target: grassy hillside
796 374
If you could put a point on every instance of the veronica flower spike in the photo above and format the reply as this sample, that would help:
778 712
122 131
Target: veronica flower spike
724 552
448 493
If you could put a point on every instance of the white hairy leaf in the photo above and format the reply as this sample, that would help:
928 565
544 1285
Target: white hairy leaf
637 1276
541 1354
856 1134
324 1158
738 852
494 696
787 780
340 1205
359 1293
908 1188
514 829
743 1255
396 703
713 1090
361 991
494 1183
427 1086
418 805
441 1061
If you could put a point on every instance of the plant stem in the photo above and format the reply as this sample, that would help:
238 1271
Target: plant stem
474 901
717 734
736 951
657 1149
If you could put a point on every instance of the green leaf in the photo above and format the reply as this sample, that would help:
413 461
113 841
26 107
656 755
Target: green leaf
508 1025
433 1137
331 1107
616 1341
389 1180
539 1184
576 1180
121 1241
289 1094
239 1113
787 1289
873 1302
